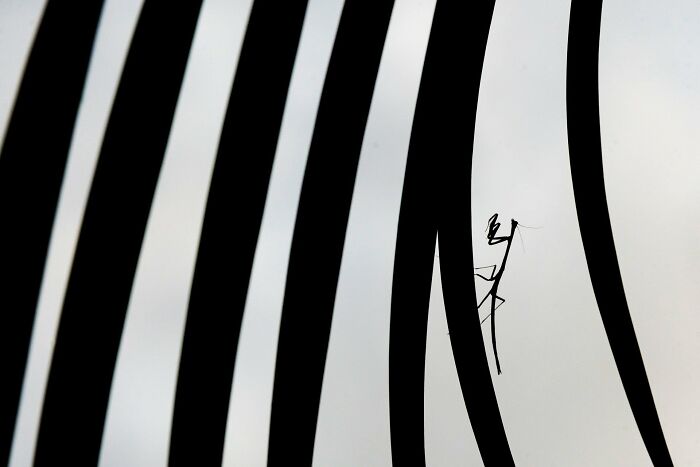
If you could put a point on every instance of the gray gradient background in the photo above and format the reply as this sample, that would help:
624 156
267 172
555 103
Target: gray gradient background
559 394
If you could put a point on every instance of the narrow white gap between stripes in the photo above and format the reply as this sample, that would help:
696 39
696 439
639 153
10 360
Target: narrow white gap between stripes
19 21
449 439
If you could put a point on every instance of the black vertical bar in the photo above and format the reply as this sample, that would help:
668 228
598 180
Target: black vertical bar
586 159
230 230
319 233
437 197
32 163
410 298
112 232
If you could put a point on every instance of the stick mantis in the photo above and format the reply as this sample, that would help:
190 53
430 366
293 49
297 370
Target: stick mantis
495 276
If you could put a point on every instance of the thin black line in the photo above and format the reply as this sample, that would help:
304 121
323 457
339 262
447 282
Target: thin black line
32 164
112 232
586 159
230 231
437 197
319 233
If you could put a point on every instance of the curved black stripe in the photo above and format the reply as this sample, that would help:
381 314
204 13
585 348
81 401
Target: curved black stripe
32 163
112 232
410 299
456 95
437 198
586 159
230 230
319 233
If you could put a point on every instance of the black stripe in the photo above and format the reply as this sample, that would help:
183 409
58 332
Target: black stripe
230 231
437 197
32 163
112 232
586 159
319 233
410 298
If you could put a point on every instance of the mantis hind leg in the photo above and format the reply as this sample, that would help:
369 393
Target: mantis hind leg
493 272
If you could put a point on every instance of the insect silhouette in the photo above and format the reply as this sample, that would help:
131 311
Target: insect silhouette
495 277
